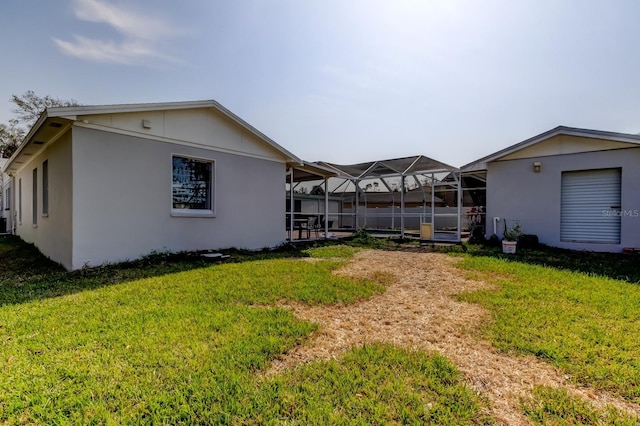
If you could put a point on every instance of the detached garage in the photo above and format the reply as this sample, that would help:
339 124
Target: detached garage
573 188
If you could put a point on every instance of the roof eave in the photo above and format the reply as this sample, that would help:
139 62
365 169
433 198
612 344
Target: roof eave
25 141
290 157
125 108
73 112
481 164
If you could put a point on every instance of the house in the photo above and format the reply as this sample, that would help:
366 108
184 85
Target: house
573 188
96 184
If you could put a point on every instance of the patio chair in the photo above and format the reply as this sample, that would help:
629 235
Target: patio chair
313 225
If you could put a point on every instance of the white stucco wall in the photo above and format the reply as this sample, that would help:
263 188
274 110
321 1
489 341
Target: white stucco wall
515 191
567 144
122 199
193 126
53 232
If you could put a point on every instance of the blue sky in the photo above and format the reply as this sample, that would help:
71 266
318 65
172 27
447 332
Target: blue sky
343 80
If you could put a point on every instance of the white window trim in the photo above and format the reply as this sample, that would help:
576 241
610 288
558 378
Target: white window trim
20 201
34 197
193 212
45 188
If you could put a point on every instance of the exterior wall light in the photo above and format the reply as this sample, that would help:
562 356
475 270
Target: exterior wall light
536 166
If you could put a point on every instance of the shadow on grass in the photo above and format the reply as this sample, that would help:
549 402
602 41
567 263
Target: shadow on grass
26 275
619 266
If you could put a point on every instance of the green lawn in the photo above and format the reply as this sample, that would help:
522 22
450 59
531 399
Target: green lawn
377 384
618 266
172 340
587 325
548 406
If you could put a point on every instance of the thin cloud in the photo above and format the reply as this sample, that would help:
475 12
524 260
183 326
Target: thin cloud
139 35
128 52
126 22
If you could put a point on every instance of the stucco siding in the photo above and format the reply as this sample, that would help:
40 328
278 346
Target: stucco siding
53 232
199 126
567 144
122 203
515 191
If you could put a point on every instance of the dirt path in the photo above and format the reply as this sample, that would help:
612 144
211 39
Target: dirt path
418 311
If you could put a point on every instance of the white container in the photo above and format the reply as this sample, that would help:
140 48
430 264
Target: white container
509 246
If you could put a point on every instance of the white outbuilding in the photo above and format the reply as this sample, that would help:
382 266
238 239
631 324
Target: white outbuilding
97 184
574 188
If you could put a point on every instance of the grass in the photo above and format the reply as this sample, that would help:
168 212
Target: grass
377 384
173 340
549 406
587 325
612 265
332 251
26 275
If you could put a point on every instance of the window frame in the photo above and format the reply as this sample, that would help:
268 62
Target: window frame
45 188
20 201
211 212
34 198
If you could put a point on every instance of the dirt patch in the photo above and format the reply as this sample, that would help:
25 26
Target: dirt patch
418 311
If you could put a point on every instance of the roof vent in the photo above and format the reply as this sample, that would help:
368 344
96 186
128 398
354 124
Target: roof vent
54 124
38 142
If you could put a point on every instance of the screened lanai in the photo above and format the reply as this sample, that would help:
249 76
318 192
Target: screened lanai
407 197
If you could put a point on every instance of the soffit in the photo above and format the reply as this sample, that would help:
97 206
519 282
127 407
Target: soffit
49 130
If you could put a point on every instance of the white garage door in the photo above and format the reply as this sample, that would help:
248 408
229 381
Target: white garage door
590 210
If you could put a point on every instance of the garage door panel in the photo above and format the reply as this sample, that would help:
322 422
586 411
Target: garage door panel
588 199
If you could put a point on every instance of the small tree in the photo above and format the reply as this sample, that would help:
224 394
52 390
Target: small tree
28 108
11 135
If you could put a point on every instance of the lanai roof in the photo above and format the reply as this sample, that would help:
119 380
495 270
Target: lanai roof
396 166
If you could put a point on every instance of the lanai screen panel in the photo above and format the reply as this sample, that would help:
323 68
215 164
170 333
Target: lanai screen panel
394 194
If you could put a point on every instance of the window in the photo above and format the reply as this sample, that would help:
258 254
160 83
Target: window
192 186
20 201
7 201
35 197
45 188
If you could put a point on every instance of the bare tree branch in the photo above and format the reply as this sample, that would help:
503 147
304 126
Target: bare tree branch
28 108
